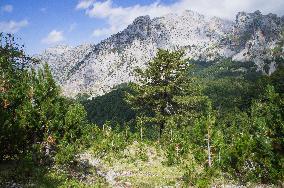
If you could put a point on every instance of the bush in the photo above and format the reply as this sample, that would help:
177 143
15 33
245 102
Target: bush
65 154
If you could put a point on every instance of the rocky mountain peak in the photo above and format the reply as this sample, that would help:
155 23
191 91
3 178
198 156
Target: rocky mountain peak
140 26
248 24
253 35
142 20
96 69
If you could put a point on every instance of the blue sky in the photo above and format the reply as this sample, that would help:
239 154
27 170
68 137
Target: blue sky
44 23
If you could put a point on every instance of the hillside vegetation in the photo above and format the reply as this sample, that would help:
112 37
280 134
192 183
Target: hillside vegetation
185 123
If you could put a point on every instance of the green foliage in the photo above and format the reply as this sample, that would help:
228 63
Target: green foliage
165 89
215 119
251 141
110 141
75 120
31 109
228 84
110 107
276 79
192 177
242 125
66 153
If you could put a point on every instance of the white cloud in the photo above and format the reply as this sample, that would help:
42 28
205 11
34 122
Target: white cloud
12 26
83 4
7 8
53 37
118 17
104 31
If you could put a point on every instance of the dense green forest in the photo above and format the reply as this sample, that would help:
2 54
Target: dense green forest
203 123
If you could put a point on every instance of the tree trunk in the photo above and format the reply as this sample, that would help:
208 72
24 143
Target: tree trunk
162 126
209 147
219 156
141 132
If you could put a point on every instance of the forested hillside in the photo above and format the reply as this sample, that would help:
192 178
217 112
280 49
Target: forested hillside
184 123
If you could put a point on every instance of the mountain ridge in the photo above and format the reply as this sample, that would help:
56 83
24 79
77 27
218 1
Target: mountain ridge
96 69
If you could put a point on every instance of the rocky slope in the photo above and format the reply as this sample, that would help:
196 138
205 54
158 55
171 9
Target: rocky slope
96 69
63 58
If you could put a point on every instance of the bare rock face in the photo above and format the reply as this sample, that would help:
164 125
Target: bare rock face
96 69
62 59
254 35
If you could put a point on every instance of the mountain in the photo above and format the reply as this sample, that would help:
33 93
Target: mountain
63 58
96 69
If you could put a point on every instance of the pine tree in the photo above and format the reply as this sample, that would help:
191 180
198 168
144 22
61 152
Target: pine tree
165 89
31 108
14 81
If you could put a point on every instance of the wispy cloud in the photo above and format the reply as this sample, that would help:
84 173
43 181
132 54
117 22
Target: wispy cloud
119 17
53 37
83 4
104 31
12 26
72 27
7 8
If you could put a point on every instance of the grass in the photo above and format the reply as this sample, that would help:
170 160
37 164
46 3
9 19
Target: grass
148 175
143 170
140 165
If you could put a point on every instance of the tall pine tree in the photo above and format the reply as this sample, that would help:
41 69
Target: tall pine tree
165 89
